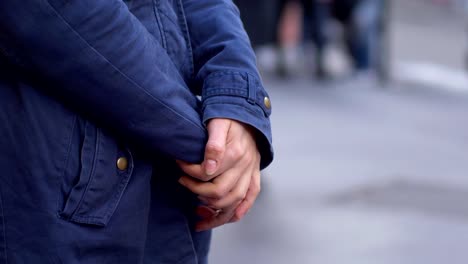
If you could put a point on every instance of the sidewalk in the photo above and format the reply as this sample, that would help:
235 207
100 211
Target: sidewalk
429 45
364 175
361 176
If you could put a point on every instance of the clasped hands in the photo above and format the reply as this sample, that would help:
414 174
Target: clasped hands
228 180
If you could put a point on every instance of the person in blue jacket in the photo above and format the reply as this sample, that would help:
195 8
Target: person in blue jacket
128 129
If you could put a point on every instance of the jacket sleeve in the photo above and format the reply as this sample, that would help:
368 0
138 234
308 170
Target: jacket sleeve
225 69
96 57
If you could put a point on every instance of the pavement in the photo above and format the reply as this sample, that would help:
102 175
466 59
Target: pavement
362 173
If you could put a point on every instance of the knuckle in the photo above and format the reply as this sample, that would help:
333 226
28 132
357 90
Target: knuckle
214 147
257 188
219 192
247 157
217 204
237 151
239 195
237 217
204 178
252 157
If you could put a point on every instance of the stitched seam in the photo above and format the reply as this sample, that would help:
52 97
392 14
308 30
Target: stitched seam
224 93
222 73
255 79
237 104
118 193
91 174
191 240
251 89
233 93
119 71
233 89
159 24
66 163
168 17
92 219
88 219
230 72
188 40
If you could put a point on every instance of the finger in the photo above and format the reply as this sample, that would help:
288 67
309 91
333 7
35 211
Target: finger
193 170
218 130
249 200
206 212
228 212
216 189
236 195
235 154
240 147
217 220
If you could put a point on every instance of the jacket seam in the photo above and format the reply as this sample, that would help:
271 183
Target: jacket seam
67 157
232 72
159 23
241 91
250 83
223 73
169 18
186 224
237 104
251 89
186 34
234 93
118 193
91 174
118 70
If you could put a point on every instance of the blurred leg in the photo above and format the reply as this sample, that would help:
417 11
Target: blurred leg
260 31
317 15
287 29
363 33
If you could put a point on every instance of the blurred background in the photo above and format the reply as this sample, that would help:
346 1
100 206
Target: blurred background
370 125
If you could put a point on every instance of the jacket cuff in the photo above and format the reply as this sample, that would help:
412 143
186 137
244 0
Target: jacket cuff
241 97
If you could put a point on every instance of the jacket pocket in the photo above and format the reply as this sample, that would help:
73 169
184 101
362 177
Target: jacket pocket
95 178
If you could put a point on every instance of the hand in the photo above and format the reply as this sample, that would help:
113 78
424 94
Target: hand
229 177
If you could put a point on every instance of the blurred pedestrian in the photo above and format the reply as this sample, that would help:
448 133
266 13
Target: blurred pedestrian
316 18
360 20
289 33
259 19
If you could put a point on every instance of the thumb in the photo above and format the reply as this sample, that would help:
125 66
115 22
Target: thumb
215 147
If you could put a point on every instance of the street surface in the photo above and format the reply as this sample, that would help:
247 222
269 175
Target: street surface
365 174
361 175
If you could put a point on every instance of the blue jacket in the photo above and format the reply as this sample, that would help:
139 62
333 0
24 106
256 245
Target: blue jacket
97 100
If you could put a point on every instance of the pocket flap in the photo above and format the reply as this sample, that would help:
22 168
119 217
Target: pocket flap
101 184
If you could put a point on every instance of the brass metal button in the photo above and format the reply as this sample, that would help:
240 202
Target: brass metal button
267 102
122 163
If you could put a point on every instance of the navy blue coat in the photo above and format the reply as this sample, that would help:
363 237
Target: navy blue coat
97 100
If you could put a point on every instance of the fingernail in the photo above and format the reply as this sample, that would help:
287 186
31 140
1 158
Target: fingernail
210 167
181 181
